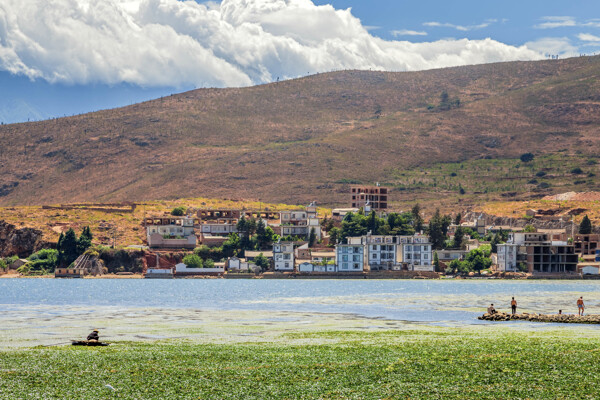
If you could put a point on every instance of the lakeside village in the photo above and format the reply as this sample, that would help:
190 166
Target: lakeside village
363 241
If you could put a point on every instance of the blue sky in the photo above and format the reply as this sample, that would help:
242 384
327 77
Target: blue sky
109 53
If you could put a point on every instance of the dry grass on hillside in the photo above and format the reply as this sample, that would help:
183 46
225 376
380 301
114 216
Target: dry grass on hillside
129 226
295 141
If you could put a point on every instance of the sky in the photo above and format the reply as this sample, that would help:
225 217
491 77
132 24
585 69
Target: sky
65 57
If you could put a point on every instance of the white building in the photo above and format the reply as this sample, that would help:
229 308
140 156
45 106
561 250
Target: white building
416 253
300 222
382 251
171 232
350 257
283 256
507 257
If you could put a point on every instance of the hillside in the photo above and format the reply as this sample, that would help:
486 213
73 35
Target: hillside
306 139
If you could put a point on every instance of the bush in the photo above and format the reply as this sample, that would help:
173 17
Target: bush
209 263
193 261
178 211
44 261
533 182
540 174
115 259
527 157
3 265
543 185
576 171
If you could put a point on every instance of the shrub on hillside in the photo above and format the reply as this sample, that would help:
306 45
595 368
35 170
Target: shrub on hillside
577 171
527 157
178 211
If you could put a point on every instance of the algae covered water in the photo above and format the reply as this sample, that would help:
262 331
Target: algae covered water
213 309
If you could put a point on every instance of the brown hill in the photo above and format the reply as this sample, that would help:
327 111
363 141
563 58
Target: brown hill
304 139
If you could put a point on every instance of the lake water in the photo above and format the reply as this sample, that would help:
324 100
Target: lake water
205 306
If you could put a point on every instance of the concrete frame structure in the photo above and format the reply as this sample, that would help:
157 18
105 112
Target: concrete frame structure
375 196
586 244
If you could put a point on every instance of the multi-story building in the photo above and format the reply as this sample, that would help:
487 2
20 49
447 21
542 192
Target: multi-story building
416 252
586 244
507 257
411 253
300 222
545 252
374 196
350 257
171 232
283 256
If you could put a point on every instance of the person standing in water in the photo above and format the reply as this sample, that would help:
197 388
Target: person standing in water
513 306
580 306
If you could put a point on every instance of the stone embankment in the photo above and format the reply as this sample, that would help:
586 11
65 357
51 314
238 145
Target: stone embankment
559 318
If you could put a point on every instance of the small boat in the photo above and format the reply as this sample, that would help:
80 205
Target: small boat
88 343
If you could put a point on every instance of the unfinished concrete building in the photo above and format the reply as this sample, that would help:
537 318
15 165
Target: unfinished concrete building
374 196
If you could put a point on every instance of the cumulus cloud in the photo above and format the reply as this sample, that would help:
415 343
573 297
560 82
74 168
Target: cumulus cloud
551 46
231 43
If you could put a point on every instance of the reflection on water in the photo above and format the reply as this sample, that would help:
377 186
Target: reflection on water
34 308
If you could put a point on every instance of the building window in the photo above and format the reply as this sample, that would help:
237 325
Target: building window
356 266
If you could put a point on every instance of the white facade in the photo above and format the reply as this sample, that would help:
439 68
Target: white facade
283 256
172 232
350 257
218 229
300 222
416 252
507 257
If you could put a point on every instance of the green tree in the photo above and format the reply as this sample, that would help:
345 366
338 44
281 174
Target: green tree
373 223
458 219
232 245
459 237
353 225
334 236
417 218
312 237
529 229
209 263
585 228
178 211
262 262
436 261
193 261
436 231
67 248
85 240
264 234
478 260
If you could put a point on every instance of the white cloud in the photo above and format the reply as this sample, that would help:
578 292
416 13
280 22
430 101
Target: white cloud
551 46
565 21
232 43
586 37
463 28
556 22
407 32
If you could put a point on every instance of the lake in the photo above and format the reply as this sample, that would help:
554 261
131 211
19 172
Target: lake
48 309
